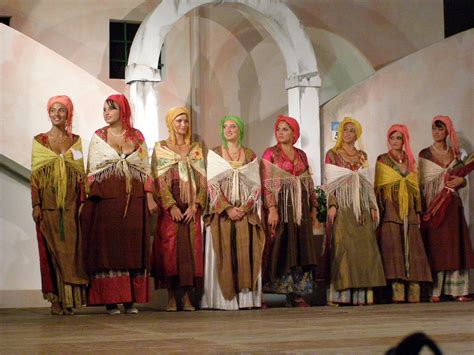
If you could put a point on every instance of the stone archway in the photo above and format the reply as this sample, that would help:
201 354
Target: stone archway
302 82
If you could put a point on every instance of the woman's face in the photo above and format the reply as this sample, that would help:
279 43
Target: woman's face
284 133
439 133
231 131
396 141
349 133
181 124
111 114
58 114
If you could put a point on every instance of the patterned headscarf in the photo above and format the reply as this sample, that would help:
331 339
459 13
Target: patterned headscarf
453 137
238 121
125 113
406 142
170 116
66 101
292 123
340 131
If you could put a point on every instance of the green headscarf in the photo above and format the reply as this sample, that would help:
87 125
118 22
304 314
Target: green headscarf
238 122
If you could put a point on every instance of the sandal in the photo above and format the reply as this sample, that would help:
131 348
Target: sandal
463 299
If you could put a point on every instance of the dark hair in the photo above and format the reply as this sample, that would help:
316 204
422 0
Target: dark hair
112 104
439 124
413 344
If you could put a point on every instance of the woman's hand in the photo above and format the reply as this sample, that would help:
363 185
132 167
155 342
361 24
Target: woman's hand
190 213
273 218
454 182
176 214
235 213
152 206
332 212
37 214
374 214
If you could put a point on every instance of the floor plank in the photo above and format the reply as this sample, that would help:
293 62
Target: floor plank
322 330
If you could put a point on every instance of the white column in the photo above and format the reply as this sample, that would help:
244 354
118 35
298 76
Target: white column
303 105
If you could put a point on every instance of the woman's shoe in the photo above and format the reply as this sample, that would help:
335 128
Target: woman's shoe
299 302
463 299
112 309
435 299
131 310
187 306
56 309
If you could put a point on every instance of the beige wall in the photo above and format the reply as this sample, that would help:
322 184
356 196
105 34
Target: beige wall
77 30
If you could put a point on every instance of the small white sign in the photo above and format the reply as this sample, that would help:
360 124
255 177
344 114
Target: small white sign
334 127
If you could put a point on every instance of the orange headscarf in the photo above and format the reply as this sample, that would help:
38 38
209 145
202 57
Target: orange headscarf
453 137
293 125
66 101
406 143
170 116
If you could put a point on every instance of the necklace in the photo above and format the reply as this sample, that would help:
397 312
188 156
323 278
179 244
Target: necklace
58 140
116 135
232 157
398 160
440 151
349 154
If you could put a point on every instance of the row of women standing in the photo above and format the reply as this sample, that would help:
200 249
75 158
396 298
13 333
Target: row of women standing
247 249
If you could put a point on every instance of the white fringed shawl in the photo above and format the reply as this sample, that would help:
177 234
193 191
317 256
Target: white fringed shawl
238 185
351 188
432 178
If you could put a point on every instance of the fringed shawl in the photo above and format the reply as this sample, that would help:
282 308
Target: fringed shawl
187 167
238 185
104 161
387 179
432 178
352 189
51 169
277 180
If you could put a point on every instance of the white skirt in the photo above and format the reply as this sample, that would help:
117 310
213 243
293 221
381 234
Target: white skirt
212 297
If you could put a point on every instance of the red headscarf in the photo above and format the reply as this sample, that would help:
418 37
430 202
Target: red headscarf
66 101
406 143
125 112
292 123
453 137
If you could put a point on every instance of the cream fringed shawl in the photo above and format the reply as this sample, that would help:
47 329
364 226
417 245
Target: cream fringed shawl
104 161
50 168
238 185
187 167
352 189
277 180
432 178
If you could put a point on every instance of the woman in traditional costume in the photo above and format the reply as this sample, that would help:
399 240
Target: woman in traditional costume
234 235
179 171
448 244
290 206
399 201
115 217
355 262
57 190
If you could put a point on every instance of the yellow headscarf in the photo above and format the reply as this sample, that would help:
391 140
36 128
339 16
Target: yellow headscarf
170 116
340 131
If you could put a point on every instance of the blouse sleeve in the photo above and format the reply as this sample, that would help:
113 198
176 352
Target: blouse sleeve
331 198
268 197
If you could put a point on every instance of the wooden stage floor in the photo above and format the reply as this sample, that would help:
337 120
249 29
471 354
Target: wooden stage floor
321 330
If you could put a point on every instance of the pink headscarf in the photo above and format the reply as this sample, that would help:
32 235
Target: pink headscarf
125 112
292 123
406 143
66 101
453 137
